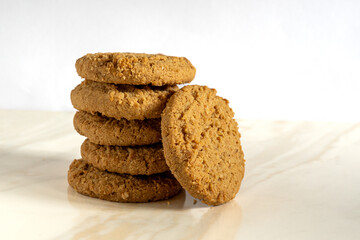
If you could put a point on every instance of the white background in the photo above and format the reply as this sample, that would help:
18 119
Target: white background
272 59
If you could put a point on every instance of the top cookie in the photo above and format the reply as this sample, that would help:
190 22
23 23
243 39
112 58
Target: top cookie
202 144
135 68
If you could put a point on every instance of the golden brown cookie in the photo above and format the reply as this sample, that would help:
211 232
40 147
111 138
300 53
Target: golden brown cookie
141 160
110 131
202 144
121 101
93 182
135 68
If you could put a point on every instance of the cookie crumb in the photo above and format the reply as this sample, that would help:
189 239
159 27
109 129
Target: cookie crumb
195 201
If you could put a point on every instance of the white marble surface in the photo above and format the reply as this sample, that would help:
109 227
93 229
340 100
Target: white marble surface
302 181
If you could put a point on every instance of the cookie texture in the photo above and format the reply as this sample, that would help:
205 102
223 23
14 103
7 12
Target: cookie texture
135 68
202 144
121 101
141 160
93 182
110 131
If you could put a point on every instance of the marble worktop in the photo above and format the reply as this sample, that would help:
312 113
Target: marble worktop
301 181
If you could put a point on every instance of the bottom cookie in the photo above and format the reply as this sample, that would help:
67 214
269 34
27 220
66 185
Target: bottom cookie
93 182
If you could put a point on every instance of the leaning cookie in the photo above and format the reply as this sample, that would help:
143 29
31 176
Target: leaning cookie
141 160
135 68
93 182
202 144
121 101
110 131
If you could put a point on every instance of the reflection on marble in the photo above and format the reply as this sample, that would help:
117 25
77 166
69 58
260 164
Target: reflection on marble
301 182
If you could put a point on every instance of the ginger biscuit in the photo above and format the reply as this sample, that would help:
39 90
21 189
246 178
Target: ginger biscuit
135 68
202 144
141 160
110 131
93 182
121 101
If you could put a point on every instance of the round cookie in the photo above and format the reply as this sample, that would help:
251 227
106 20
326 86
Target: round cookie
110 131
135 68
121 101
93 182
202 144
141 160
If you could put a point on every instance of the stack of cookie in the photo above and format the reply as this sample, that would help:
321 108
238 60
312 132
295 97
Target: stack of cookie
120 104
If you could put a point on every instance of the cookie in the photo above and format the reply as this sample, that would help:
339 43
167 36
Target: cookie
93 182
141 160
121 101
135 68
202 144
110 131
